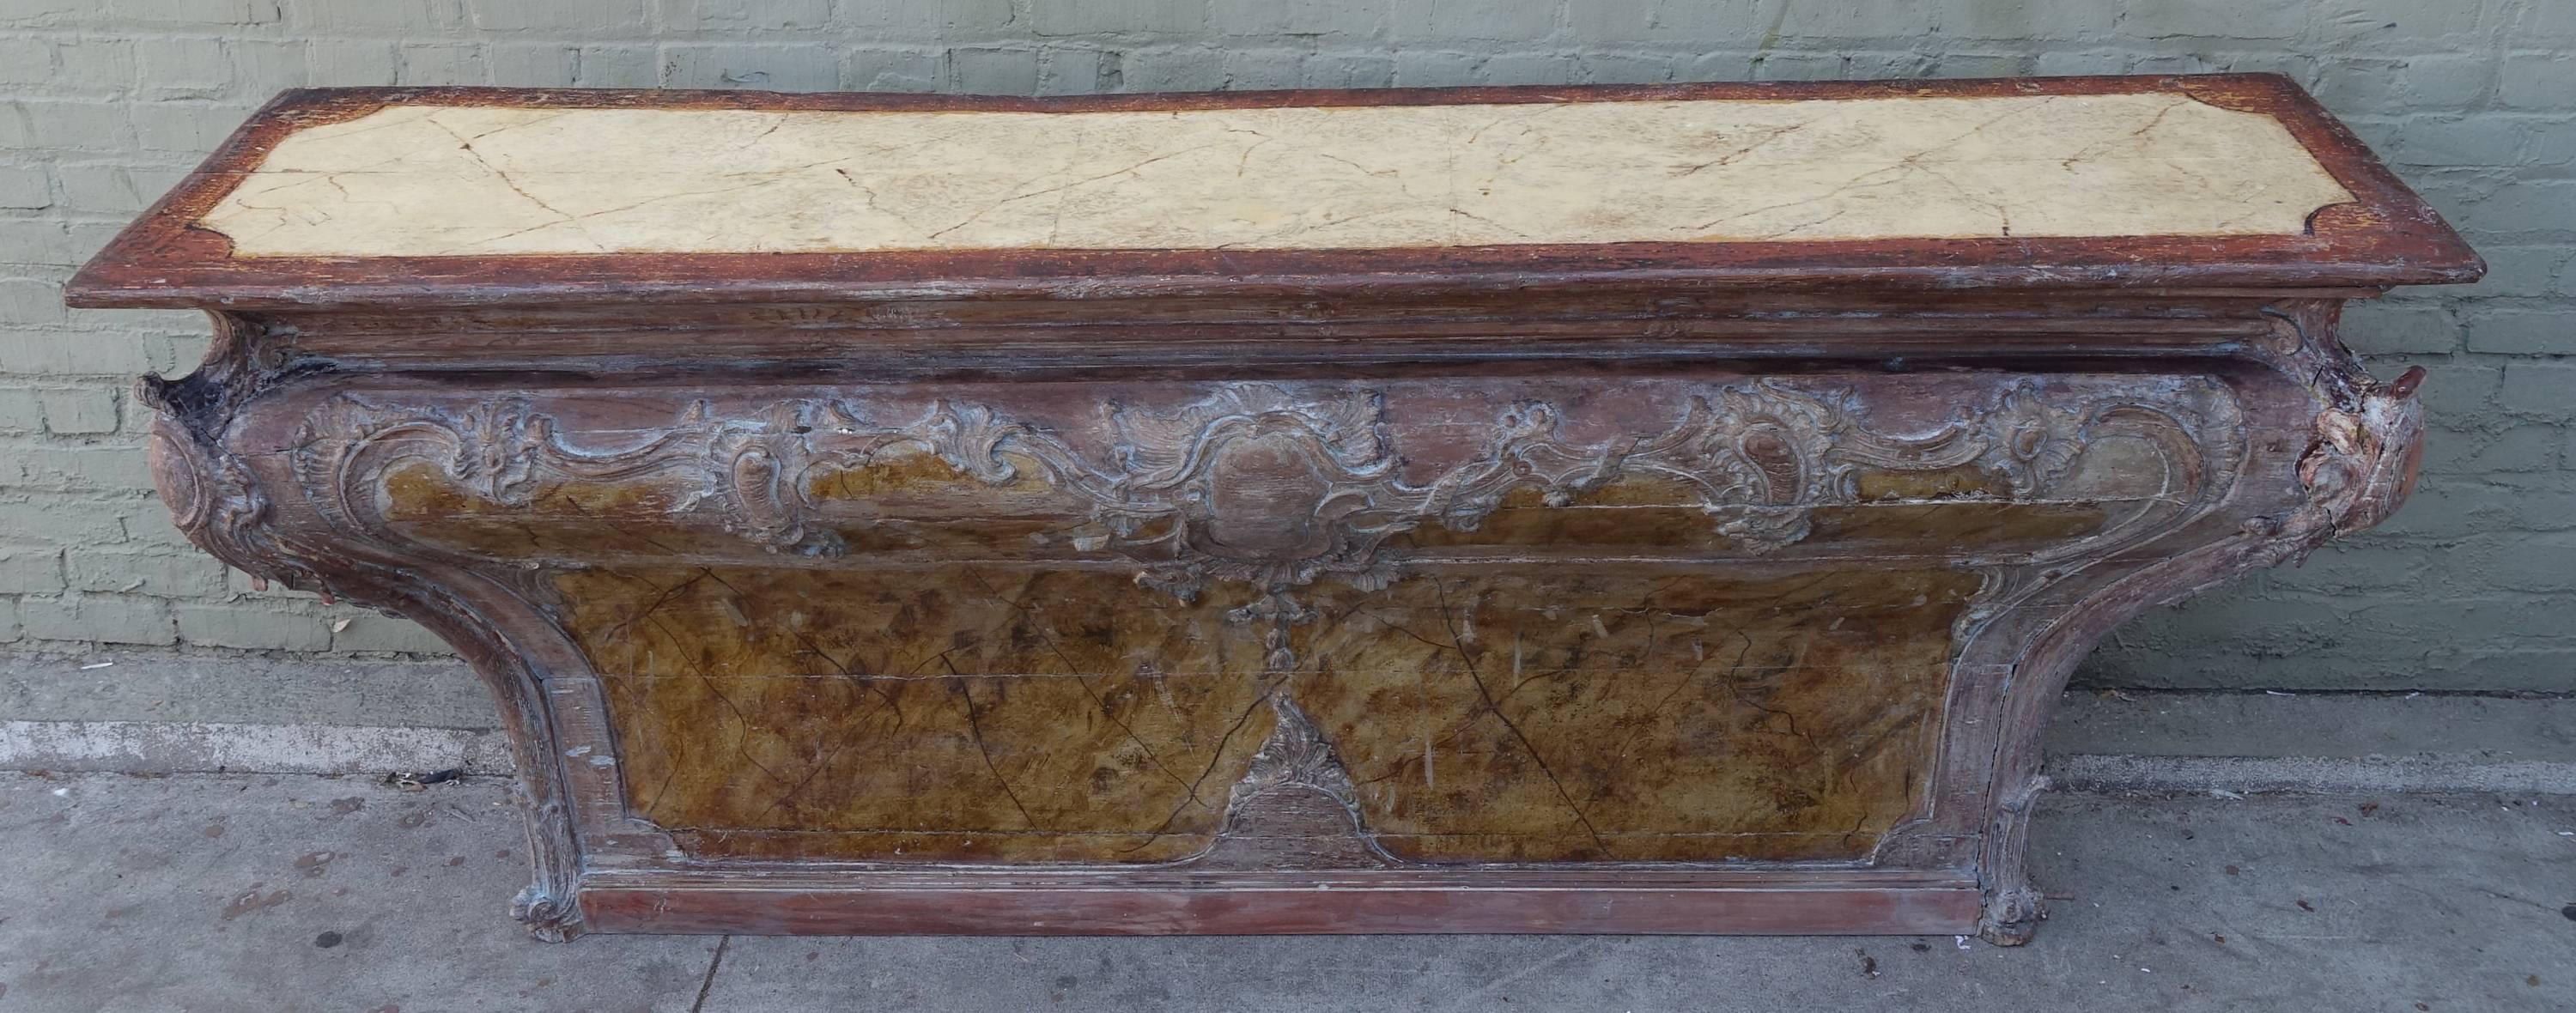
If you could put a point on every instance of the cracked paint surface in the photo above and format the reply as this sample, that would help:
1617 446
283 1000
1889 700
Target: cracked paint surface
416 180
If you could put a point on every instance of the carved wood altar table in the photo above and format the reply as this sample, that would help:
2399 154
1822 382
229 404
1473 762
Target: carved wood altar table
1658 509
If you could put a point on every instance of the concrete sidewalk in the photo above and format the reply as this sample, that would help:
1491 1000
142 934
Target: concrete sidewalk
127 710
297 892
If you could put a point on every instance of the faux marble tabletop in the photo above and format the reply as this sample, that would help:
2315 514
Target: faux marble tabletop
447 180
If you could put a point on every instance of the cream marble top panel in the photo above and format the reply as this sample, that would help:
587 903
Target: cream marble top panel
469 180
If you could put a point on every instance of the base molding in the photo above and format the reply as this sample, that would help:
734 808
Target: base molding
1395 901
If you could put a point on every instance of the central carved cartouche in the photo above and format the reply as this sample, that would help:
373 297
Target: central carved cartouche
1263 499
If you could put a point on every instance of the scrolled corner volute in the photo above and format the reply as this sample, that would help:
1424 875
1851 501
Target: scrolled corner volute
2011 915
216 503
2359 467
2363 464
214 496
549 917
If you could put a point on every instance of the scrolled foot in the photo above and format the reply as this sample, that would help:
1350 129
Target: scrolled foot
2012 916
550 918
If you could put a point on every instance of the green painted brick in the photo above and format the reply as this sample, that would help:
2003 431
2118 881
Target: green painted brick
24 188
257 629
797 67
26 569
373 633
145 570
690 16
79 411
2546 389
2524 331
559 17
95 618
1119 17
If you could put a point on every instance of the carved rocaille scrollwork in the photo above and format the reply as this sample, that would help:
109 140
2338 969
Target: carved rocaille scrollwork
214 501
218 499
1254 483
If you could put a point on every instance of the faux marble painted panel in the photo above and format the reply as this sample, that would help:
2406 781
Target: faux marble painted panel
523 180
962 713
1644 714
971 714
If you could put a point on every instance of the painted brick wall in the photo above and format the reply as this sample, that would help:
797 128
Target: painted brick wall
104 103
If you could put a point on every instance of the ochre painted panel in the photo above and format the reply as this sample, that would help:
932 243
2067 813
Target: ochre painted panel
1068 715
951 714
1637 716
